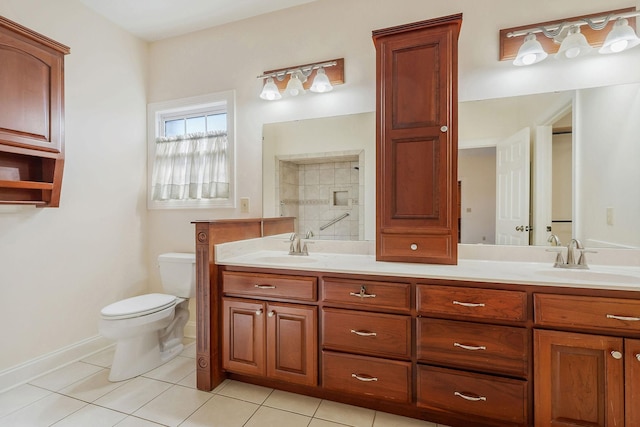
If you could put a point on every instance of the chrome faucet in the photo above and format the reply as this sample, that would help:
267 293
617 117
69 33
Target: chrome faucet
575 244
296 247
554 240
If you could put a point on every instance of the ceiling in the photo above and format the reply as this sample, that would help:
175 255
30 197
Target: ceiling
153 20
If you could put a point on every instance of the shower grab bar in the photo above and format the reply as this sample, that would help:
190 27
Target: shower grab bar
334 220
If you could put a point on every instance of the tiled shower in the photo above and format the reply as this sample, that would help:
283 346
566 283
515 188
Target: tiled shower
323 193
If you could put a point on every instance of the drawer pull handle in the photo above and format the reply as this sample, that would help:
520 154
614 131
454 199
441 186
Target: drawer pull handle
362 294
469 347
363 333
626 318
469 304
264 286
364 378
616 355
471 398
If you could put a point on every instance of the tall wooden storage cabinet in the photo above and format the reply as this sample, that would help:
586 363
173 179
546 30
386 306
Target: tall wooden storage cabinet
31 116
417 141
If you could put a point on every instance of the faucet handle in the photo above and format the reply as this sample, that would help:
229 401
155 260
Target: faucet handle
559 259
583 258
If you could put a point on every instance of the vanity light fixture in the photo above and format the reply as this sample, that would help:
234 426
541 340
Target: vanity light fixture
566 38
317 77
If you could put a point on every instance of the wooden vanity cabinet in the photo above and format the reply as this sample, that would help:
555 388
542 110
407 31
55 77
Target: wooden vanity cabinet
479 366
416 133
584 375
31 116
276 340
367 350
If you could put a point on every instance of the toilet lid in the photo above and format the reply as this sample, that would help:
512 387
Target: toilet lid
138 306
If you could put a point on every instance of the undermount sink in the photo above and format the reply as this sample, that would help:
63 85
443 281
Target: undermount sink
286 259
591 275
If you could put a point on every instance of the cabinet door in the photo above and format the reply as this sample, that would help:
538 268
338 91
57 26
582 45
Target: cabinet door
632 382
292 343
578 379
417 142
243 337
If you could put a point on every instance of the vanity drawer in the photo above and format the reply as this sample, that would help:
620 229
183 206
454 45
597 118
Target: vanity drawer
587 312
368 376
495 398
490 304
269 286
369 333
370 295
490 348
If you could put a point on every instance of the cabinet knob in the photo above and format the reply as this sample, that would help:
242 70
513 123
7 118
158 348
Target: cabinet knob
271 313
638 356
259 312
444 129
414 247
616 355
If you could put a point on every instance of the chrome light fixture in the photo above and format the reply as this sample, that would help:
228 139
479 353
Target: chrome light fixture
530 52
270 91
316 77
571 41
321 83
574 44
621 38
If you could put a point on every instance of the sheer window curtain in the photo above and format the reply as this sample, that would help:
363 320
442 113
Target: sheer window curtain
191 167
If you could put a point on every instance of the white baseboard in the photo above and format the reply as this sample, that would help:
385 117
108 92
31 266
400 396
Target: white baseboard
25 372
190 330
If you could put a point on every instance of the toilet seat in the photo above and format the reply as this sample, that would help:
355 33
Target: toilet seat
141 305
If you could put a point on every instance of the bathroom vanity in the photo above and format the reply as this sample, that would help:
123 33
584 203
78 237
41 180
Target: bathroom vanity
492 343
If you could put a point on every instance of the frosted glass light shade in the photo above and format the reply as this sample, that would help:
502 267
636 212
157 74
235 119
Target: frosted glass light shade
621 37
270 91
530 52
321 82
294 87
574 45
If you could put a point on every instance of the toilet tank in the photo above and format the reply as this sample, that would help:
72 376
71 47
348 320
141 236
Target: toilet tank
178 274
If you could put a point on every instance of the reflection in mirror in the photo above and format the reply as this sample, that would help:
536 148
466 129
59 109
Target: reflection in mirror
584 149
315 170
584 174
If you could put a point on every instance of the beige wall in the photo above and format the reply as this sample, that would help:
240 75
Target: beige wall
60 266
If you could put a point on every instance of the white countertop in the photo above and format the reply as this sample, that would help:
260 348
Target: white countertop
356 258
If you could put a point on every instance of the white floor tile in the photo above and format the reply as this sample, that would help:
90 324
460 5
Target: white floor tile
384 419
189 381
345 414
92 387
20 397
44 412
221 411
91 415
317 422
103 359
65 376
189 350
174 370
249 392
136 422
270 417
292 402
173 406
133 395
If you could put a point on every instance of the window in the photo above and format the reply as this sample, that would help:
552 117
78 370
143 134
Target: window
191 152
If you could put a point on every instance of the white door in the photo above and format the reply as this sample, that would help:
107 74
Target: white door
512 189
542 188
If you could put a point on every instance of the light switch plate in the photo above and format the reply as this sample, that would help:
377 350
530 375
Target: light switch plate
244 205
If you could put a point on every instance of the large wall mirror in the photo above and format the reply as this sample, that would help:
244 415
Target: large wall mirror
531 169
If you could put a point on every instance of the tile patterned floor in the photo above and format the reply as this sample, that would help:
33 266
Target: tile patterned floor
80 395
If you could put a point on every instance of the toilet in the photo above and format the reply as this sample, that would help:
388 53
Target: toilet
148 329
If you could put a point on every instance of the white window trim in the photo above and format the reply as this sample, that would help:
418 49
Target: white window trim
156 111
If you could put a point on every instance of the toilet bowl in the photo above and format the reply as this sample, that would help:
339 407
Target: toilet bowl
148 329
